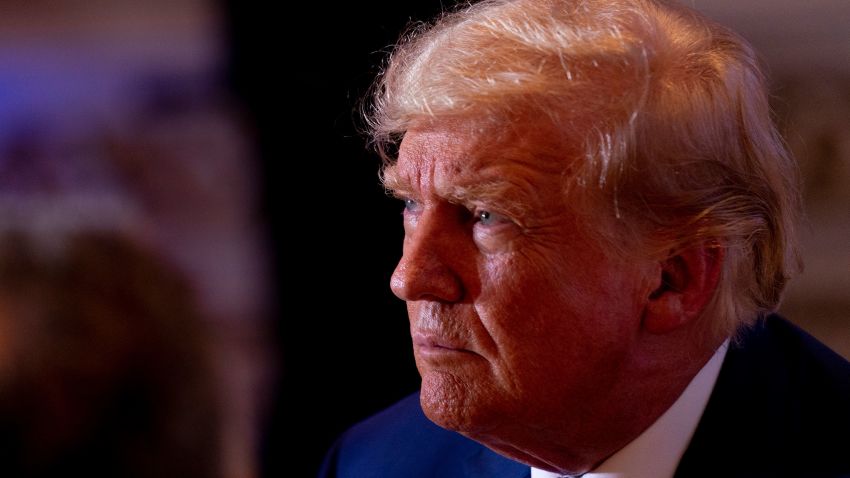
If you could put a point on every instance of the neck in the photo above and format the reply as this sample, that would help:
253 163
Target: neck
571 445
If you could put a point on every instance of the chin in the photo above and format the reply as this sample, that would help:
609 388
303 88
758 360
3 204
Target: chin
456 404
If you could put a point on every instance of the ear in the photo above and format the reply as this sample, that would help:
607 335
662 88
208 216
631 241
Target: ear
687 283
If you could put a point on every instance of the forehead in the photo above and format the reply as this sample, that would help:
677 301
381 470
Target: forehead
466 154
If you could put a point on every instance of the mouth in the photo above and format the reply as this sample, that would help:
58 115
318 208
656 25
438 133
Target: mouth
433 346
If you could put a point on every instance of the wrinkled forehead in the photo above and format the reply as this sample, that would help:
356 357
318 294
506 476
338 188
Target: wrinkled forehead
470 149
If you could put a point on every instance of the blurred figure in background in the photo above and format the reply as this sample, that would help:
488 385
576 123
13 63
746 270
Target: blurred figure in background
105 365
124 103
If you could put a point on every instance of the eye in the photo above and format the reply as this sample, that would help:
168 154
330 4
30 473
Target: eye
410 214
490 218
493 232
410 205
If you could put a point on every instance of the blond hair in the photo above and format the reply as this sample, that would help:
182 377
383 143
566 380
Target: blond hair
677 142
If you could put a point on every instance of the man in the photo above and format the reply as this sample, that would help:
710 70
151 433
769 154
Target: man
599 220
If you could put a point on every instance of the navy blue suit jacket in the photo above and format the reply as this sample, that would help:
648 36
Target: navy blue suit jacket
781 407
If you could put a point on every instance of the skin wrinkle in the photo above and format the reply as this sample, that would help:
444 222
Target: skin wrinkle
502 189
487 193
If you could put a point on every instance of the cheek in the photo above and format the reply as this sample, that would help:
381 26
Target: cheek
543 313
525 310
524 292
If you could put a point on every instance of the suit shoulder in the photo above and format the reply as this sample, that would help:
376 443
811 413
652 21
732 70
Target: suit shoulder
397 442
779 401
809 364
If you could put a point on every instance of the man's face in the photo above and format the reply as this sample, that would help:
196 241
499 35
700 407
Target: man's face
518 316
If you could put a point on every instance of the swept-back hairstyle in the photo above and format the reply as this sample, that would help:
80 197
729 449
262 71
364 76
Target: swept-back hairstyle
667 114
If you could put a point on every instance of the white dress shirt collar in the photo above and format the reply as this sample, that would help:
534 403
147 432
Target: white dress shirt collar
656 452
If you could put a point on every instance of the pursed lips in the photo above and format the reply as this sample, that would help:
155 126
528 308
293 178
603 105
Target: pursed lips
433 344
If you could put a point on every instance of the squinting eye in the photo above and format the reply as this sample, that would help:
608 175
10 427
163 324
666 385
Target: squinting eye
487 218
410 204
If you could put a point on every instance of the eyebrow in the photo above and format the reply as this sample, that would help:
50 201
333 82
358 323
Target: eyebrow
496 191
393 182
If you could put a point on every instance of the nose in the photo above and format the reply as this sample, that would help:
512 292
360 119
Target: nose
427 269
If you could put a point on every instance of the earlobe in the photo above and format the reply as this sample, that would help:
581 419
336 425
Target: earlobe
687 283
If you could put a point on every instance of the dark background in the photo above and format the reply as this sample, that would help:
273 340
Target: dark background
342 335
